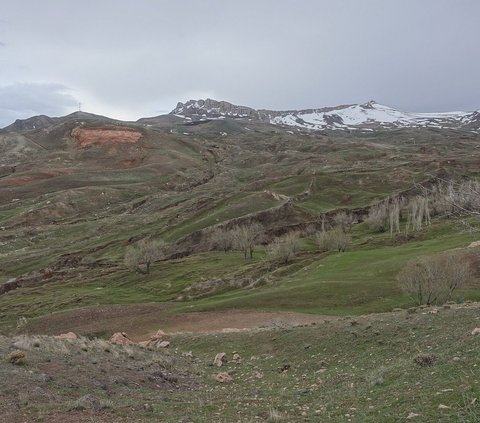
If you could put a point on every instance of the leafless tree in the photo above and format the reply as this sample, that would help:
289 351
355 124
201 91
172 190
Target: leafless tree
433 280
282 250
222 239
344 221
140 256
377 217
418 210
246 238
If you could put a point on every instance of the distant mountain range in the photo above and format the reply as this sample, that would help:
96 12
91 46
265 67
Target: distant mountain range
369 116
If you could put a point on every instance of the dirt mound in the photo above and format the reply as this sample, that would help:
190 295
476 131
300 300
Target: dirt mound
87 137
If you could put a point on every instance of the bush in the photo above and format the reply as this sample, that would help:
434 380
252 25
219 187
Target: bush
377 218
333 240
434 280
17 357
425 360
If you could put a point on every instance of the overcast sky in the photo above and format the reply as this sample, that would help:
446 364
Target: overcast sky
134 58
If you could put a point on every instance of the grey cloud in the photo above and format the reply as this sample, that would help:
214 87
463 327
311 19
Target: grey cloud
23 100
135 58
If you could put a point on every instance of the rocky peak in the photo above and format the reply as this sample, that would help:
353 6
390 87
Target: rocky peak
210 108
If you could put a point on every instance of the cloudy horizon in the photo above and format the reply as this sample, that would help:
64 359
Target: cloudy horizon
129 59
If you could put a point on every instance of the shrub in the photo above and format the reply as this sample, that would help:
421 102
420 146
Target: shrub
377 218
333 240
17 357
425 360
434 280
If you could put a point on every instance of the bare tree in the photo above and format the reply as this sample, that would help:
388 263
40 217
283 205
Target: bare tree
433 280
140 256
394 216
377 217
246 238
282 250
418 210
344 221
222 239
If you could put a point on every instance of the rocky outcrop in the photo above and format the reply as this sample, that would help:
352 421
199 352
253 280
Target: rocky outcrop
121 338
68 335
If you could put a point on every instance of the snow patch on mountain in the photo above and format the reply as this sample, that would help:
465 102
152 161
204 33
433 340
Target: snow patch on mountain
365 116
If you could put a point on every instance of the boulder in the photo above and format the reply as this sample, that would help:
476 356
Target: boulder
223 377
236 358
121 338
163 344
68 335
220 358
156 340
476 331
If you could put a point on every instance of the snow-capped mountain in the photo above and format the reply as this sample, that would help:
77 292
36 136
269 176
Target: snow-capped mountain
367 116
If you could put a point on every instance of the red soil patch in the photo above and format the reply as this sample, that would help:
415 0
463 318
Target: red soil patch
18 181
15 181
87 137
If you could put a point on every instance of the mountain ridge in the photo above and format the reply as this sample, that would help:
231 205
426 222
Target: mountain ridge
366 116
369 116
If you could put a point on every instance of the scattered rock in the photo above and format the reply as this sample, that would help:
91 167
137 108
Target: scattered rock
476 331
284 368
412 415
232 330
236 358
187 354
156 341
121 338
411 310
89 402
148 408
68 335
396 309
223 377
220 358
433 311
474 244
443 407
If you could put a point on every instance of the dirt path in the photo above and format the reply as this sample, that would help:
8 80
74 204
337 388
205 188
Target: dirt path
140 321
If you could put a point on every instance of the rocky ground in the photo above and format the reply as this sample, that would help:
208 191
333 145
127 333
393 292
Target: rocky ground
417 365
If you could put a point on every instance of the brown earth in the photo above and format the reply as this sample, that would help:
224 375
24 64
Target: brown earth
87 137
140 321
